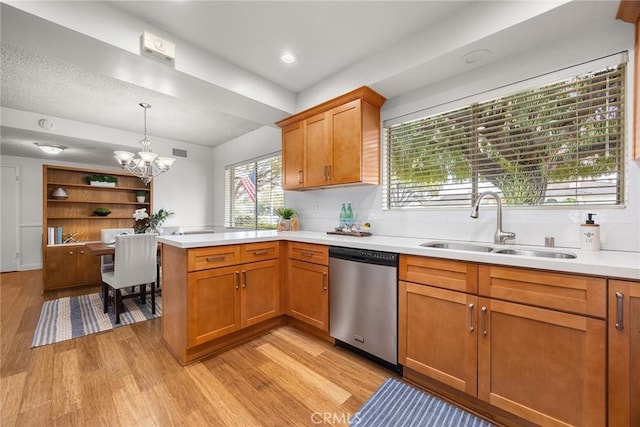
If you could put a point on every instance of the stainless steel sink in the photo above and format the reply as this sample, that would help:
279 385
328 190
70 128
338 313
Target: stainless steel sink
461 246
534 253
458 246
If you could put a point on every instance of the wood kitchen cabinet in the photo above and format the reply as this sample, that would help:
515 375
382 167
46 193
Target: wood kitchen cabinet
223 300
213 293
530 343
70 265
624 353
334 143
308 284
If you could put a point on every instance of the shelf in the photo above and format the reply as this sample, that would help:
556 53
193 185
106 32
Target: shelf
90 217
63 184
97 203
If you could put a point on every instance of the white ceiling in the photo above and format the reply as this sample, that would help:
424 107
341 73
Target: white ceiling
74 61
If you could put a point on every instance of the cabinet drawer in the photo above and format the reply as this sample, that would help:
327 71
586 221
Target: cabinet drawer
212 257
560 291
318 254
259 251
448 274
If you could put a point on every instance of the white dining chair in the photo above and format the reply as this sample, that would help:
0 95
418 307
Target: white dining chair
135 265
108 236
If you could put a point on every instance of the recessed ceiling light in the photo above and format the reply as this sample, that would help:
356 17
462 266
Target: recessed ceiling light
288 58
476 56
50 148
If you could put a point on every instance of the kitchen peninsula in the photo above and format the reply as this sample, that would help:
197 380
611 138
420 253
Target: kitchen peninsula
221 289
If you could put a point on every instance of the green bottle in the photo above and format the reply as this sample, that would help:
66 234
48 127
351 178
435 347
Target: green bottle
343 216
349 218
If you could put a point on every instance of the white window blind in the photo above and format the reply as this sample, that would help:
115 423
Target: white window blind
557 144
253 191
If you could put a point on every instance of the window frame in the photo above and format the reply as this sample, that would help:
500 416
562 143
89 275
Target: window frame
501 93
230 202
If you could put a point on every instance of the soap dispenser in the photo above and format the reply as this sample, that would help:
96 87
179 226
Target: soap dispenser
590 234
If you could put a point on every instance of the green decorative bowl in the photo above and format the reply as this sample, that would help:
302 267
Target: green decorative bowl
102 211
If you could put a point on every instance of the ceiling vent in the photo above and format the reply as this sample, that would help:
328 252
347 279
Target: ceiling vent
158 47
180 153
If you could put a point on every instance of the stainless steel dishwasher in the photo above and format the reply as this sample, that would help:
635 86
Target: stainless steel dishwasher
363 303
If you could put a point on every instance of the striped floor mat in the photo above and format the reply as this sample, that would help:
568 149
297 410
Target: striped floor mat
73 317
398 404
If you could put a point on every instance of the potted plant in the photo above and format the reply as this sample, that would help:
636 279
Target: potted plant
155 220
141 196
101 180
285 214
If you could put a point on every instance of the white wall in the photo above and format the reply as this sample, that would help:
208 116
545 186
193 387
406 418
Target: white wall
184 190
620 227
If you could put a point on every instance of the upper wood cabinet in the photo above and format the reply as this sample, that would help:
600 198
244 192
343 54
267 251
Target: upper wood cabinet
629 11
334 143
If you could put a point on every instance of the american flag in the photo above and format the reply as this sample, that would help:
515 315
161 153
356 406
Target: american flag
249 184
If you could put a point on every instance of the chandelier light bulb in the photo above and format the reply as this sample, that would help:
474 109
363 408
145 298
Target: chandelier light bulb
147 165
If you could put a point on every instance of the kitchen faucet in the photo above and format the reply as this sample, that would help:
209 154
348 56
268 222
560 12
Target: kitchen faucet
500 236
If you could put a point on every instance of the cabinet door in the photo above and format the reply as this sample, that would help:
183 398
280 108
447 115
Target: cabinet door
87 267
624 353
345 124
260 291
317 151
545 366
213 304
437 334
60 267
292 156
308 292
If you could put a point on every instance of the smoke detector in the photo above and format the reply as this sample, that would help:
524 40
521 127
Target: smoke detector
158 47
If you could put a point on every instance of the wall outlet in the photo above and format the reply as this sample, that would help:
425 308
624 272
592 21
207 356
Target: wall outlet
314 207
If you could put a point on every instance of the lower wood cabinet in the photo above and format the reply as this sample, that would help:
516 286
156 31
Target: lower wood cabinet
438 334
624 353
308 284
545 366
224 300
71 265
540 364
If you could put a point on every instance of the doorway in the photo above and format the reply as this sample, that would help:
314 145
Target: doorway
9 219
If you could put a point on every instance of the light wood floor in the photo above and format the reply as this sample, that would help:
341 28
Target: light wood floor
126 377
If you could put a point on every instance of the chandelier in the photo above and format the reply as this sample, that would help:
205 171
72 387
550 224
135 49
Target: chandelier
148 165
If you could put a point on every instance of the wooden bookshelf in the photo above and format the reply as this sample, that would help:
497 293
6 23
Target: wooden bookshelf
69 265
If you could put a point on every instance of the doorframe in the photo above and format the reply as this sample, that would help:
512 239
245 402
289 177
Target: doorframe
17 227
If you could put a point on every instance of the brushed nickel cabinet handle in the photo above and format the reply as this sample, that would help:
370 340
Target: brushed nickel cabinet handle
263 252
484 321
306 253
81 252
244 276
237 279
300 177
70 252
215 258
620 311
470 317
324 281
329 172
326 172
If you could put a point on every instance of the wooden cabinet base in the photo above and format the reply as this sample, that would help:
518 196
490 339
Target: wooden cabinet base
464 400
305 327
189 355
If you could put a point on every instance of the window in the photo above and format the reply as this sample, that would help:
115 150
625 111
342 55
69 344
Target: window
253 191
558 144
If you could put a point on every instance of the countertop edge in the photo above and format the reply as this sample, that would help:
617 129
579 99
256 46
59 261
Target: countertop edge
614 264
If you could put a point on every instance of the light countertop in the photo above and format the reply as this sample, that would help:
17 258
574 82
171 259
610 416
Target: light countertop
618 264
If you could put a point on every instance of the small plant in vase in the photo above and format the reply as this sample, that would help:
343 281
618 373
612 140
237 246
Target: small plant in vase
155 220
286 215
141 196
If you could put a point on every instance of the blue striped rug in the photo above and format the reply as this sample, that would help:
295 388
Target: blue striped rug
72 317
398 404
